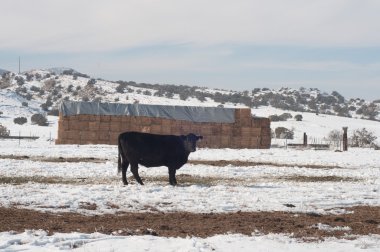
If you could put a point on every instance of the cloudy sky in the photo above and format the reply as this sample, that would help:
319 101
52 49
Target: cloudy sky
238 45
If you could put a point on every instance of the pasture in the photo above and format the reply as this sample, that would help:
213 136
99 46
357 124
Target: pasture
73 195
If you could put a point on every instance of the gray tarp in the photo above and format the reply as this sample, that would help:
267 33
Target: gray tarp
188 113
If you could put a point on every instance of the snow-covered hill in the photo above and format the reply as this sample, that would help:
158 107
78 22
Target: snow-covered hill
40 91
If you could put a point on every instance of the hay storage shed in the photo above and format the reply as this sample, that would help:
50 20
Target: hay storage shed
101 123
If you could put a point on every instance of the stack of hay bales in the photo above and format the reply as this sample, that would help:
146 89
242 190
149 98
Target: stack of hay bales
245 132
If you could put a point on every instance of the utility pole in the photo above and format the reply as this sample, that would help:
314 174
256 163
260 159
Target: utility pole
19 65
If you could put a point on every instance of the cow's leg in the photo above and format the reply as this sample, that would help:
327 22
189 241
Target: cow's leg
172 179
135 171
124 168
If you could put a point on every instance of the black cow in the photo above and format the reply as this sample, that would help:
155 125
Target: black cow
151 150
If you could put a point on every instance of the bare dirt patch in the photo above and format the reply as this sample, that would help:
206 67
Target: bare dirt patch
254 163
183 180
362 220
308 179
56 159
194 162
54 180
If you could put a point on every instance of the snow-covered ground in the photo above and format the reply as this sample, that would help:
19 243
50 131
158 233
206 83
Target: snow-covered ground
246 188
38 240
250 188
353 178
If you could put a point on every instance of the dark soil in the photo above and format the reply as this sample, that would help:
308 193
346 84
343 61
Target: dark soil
363 221
194 162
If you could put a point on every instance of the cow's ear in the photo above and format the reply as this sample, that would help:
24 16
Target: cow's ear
200 137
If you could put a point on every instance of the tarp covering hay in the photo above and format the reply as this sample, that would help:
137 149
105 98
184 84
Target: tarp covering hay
101 123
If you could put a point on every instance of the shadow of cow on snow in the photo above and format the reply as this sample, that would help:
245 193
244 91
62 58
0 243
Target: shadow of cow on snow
151 150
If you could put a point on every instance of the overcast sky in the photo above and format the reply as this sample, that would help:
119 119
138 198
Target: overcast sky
238 45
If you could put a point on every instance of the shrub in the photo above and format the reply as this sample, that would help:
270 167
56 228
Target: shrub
274 118
298 117
284 133
49 84
70 88
35 89
24 104
20 120
362 138
39 119
4 131
147 92
334 135
285 116
20 80
91 82
120 88
282 117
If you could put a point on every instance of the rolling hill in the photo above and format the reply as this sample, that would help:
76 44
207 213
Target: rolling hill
41 91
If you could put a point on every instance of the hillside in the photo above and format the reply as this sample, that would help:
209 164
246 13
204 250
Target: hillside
41 91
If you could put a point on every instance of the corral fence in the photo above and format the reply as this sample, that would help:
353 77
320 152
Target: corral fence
312 143
28 136
101 123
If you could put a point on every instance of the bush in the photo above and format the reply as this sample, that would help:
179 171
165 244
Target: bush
362 138
120 88
335 135
20 120
20 81
282 117
284 133
3 131
91 82
285 116
274 118
39 119
35 89
298 117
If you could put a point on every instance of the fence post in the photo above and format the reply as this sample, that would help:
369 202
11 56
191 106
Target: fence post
345 138
304 139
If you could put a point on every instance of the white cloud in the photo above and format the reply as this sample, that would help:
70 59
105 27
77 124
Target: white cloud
75 26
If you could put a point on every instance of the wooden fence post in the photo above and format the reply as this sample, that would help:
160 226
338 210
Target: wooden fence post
345 138
304 139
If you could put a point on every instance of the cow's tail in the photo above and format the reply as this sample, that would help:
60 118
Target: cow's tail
120 150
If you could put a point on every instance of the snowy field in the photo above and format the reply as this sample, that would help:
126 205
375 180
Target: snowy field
323 182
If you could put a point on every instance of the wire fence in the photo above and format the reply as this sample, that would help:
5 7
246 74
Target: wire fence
29 136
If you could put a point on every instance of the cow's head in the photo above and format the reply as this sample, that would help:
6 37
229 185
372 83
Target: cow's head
190 141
